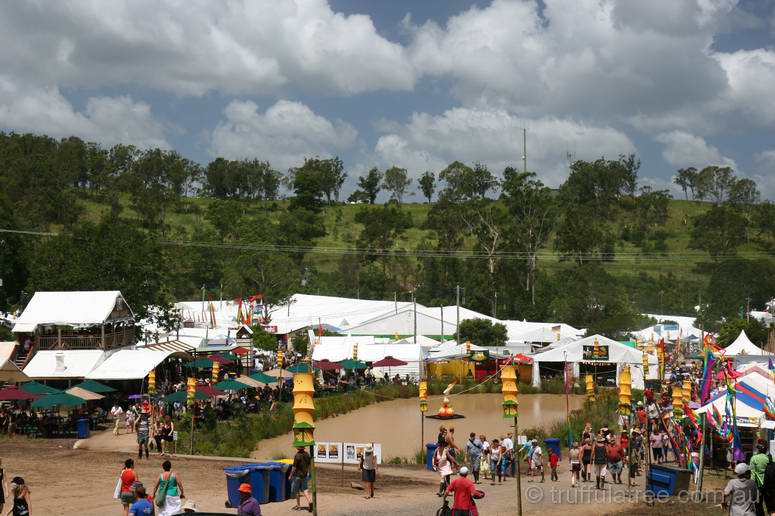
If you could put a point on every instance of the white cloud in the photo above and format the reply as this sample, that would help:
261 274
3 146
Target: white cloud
107 120
764 167
687 150
196 46
751 76
284 135
494 137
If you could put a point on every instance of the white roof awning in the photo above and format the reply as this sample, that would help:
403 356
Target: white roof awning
68 363
129 364
76 308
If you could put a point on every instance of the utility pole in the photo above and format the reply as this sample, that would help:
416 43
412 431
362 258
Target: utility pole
524 150
748 309
441 310
495 305
414 304
457 308
203 298
395 301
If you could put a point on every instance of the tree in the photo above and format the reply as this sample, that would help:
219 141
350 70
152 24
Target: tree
583 236
686 179
381 227
370 184
532 209
396 181
308 185
719 231
264 340
735 281
428 185
601 183
715 183
464 183
482 332
744 193
731 328
13 266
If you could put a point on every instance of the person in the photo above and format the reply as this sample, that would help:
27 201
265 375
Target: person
528 449
768 488
538 459
656 446
189 507
484 461
474 454
464 491
599 460
586 460
665 445
130 420
142 505
758 465
554 460
143 429
509 444
368 470
740 493
575 463
299 475
587 433
451 445
248 505
168 485
128 477
21 498
2 487
164 433
445 464
116 412
442 437
615 458
495 458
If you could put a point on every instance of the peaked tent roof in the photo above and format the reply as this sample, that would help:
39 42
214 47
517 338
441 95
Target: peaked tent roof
68 363
76 308
129 364
743 346
402 323
574 351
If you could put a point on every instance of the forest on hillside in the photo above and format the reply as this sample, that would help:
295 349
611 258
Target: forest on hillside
595 253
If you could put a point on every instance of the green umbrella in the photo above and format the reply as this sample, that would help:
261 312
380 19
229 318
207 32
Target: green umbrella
182 397
353 364
61 399
263 377
230 385
91 385
39 388
229 355
201 363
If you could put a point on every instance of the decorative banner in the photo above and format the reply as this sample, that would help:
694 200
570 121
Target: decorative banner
599 352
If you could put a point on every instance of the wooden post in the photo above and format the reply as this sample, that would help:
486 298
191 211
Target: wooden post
192 429
518 475
314 480
102 336
698 485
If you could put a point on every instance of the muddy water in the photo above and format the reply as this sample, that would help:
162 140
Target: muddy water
396 424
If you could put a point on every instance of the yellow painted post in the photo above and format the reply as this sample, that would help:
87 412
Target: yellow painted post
216 371
511 410
152 381
625 391
589 381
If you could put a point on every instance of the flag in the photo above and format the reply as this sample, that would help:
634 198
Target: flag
769 410
714 418
707 376
771 367
661 357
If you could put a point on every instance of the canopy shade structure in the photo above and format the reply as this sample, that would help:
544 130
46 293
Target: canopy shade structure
326 365
241 351
95 386
64 364
220 359
200 363
209 390
228 355
39 388
17 395
61 399
743 346
389 361
263 378
76 309
301 367
84 394
9 372
182 397
351 364
250 382
230 385
130 364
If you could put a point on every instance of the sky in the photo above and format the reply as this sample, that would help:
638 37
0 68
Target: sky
415 84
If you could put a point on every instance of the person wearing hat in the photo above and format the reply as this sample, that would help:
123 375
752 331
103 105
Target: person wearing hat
368 468
143 429
740 493
299 475
248 506
537 458
464 491
188 507
599 458
21 497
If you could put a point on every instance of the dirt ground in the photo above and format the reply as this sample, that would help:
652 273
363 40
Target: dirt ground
67 481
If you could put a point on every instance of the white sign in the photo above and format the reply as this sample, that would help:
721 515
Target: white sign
344 453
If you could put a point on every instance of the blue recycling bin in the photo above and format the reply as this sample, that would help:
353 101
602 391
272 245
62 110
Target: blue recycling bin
430 450
257 475
279 483
82 428
663 480
553 444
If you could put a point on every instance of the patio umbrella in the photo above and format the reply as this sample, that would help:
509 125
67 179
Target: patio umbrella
351 364
230 385
94 386
39 388
300 367
220 359
228 355
263 377
182 397
9 372
208 390
84 394
389 362
241 351
200 363
326 365
61 399
250 382
11 394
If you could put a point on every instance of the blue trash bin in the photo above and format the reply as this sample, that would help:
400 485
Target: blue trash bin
257 475
553 444
430 450
236 475
664 480
279 484
82 428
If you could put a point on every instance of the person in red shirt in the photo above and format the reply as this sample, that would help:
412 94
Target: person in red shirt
554 460
615 457
128 477
464 491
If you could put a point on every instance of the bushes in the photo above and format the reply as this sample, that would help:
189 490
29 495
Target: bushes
601 412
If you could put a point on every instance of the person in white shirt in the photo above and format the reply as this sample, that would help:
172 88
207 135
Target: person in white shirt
116 412
509 444
538 459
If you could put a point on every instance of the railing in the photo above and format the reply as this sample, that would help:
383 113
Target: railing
112 340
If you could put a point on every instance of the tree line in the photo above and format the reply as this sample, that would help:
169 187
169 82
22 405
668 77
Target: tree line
517 248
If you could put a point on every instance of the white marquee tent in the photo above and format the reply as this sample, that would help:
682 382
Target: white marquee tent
743 346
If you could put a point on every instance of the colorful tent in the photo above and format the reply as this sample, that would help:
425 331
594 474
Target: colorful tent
263 377
12 394
230 385
351 364
61 399
95 386
182 397
39 388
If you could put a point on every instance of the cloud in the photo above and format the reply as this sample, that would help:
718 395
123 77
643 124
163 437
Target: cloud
751 75
687 150
494 137
107 120
190 48
284 134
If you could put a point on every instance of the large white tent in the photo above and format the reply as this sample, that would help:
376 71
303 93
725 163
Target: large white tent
743 346
77 309
614 352
129 364
751 392
337 351
64 364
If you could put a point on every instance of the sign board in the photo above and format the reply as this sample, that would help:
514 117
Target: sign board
347 453
592 352
175 435
269 328
521 439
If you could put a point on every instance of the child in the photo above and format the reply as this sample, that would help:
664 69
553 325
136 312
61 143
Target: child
495 459
554 459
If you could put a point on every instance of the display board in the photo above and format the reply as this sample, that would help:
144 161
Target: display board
346 453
